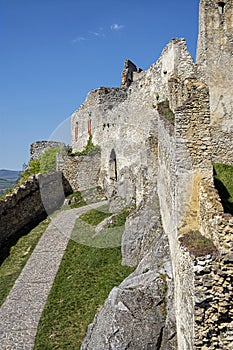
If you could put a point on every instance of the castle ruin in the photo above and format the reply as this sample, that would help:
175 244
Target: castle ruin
159 134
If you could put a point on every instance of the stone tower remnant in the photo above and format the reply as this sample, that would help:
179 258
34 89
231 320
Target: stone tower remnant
215 67
128 73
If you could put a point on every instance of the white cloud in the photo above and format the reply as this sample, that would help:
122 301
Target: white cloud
116 26
98 33
78 39
95 33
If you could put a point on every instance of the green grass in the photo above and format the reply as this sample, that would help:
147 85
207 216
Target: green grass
48 160
223 180
12 266
80 202
85 277
89 149
95 216
84 280
120 219
165 111
84 230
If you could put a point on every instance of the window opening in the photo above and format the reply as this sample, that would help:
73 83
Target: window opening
89 127
76 132
221 7
113 166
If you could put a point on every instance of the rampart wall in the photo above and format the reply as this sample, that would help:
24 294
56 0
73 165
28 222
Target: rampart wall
215 68
32 201
82 172
39 147
184 157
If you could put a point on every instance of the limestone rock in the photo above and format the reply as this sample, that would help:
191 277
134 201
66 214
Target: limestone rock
141 229
138 315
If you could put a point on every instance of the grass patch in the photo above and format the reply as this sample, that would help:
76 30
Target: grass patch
89 149
48 160
12 266
166 112
84 280
85 233
94 216
80 202
197 244
120 219
223 181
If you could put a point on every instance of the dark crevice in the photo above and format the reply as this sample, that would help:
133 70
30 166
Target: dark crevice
159 341
127 346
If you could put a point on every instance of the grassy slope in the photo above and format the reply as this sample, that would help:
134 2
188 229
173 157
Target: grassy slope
19 254
84 280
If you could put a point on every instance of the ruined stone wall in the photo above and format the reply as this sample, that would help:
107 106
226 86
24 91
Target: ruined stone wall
39 147
184 158
215 67
29 203
82 172
211 273
217 312
167 191
167 178
184 152
124 121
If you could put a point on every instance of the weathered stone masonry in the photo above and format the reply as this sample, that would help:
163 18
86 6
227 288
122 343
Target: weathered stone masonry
178 165
39 147
82 172
31 202
202 284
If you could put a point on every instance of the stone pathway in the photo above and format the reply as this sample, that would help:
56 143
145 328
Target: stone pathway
21 311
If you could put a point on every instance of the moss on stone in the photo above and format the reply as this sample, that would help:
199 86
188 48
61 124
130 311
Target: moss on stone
197 244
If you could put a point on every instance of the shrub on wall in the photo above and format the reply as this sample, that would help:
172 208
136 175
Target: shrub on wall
165 111
48 160
89 149
46 164
32 168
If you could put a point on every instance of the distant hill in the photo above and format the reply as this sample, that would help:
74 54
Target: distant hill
7 179
11 175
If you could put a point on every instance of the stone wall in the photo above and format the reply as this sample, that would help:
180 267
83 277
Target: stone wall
184 152
32 201
128 74
215 67
82 172
124 121
211 282
184 158
39 147
217 313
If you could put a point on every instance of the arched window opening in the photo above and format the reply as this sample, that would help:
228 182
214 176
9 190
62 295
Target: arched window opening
76 132
221 7
113 166
89 126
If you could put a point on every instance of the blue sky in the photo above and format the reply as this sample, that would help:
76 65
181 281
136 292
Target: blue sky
53 52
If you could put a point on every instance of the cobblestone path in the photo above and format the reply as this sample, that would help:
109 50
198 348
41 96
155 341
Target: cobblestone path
21 311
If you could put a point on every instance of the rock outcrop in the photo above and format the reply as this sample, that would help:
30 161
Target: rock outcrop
139 314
